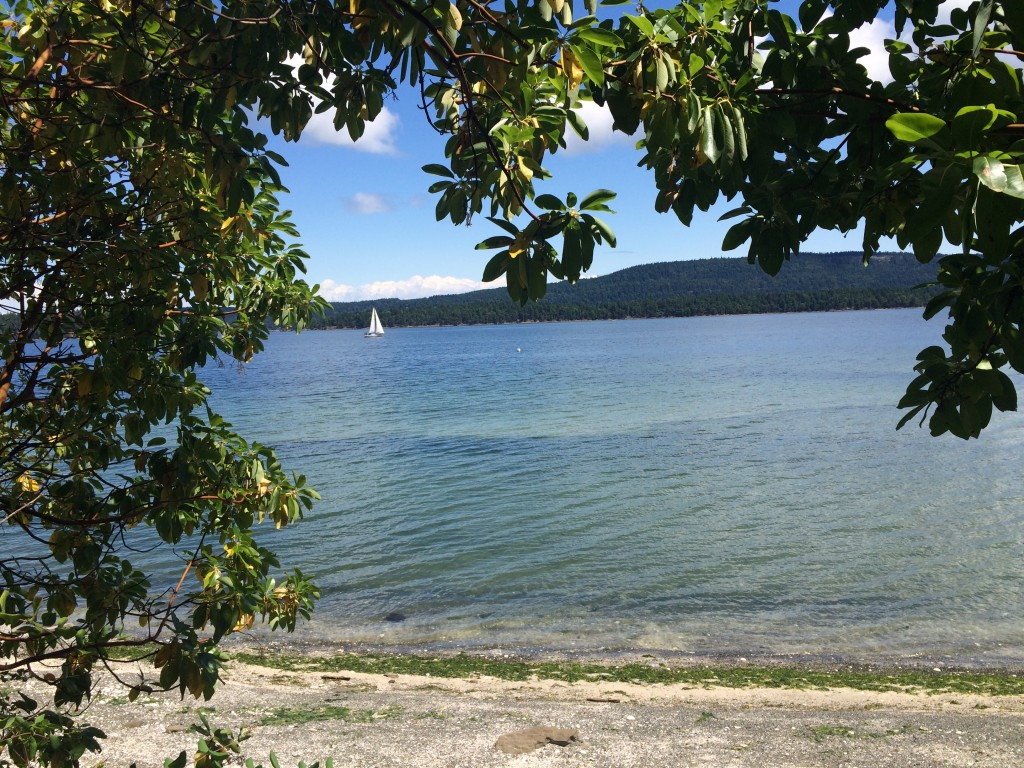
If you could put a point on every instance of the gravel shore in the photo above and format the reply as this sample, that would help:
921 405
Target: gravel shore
382 720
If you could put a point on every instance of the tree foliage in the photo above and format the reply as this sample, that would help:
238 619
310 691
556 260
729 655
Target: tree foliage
141 237
736 100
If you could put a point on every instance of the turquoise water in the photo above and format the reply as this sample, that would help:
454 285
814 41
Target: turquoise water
725 484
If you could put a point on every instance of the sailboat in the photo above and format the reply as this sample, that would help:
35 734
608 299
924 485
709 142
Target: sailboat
376 330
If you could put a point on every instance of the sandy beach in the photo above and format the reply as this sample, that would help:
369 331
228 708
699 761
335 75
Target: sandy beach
361 719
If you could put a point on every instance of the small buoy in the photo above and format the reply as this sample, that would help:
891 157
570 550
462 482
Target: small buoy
519 349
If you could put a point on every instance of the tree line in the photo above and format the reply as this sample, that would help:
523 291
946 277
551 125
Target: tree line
722 286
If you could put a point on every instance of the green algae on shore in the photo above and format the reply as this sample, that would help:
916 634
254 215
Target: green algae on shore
747 676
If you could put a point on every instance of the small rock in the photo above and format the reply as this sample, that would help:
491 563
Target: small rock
521 742
395 616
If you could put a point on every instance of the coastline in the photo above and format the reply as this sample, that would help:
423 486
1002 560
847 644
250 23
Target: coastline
624 318
987 661
305 710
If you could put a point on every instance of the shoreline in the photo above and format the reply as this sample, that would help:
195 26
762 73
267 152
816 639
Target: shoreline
1009 664
927 675
469 718
606 319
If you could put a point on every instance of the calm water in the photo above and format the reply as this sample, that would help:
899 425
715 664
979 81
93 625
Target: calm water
727 484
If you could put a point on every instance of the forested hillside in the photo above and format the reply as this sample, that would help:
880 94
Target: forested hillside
810 282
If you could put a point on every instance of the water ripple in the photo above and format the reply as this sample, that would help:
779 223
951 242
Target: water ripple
703 484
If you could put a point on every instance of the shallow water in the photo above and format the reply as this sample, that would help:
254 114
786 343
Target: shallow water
725 484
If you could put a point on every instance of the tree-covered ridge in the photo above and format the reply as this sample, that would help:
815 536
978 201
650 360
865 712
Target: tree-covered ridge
719 286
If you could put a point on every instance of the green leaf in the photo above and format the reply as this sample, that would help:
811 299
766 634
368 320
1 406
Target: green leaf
514 284
549 202
604 38
660 74
780 28
694 65
1004 393
694 111
538 283
970 124
591 63
439 170
578 125
741 132
595 201
685 201
642 23
707 136
496 266
565 15
980 23
725 126
452 24
914 126
603 231
625 112
587 249
991 173
811 12
908 416
738 234
928 244
443 208
1014 181
572 251
498 241
743 210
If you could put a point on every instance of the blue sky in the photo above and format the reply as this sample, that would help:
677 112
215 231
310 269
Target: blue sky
368 223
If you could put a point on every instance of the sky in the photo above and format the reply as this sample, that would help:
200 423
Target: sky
368 223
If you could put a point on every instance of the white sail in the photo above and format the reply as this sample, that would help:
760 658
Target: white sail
376 328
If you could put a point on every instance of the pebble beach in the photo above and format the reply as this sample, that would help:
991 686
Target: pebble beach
392 720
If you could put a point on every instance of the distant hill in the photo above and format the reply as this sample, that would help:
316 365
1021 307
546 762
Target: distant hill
810 282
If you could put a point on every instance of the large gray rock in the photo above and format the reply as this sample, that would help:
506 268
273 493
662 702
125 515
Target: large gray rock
521 742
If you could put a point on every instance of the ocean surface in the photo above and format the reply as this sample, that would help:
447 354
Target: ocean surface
713 485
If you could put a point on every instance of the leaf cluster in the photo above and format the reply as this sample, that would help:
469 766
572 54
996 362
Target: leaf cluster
140 239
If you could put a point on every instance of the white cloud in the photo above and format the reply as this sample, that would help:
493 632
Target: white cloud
947 8
599 123
415 287
378 138
365 204
873 36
